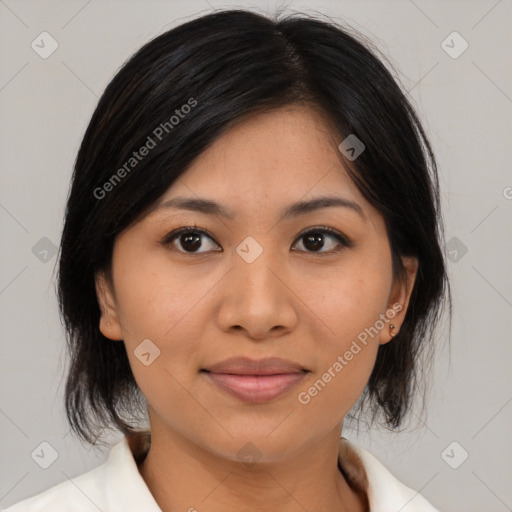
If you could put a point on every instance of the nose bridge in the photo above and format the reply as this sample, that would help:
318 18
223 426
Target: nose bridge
256 299
253 263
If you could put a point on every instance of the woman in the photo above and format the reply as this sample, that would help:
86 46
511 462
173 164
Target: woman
251 251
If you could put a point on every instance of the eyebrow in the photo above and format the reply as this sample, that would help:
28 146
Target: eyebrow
210 207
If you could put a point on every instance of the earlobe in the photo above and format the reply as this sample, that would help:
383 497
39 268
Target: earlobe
109 322
392 328
399 299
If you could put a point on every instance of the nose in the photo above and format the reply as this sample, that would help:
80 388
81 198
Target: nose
257 299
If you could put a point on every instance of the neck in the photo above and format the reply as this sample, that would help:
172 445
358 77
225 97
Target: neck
184 476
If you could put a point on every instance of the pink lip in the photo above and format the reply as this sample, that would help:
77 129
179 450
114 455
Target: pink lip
247 366
256 381
256 388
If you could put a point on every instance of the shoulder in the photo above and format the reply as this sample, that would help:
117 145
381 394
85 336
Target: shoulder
85 492
115 485
385 492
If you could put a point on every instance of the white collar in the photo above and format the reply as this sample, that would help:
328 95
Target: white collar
384 491
117 484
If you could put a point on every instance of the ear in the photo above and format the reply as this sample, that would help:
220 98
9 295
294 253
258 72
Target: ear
398 301
109 320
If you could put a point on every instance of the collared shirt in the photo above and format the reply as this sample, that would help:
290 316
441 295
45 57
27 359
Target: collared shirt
117 485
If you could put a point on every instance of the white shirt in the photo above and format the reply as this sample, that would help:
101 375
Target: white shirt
117 486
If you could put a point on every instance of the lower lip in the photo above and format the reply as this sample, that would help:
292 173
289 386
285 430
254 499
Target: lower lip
256 388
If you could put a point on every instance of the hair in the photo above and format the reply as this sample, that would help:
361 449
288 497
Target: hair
226 66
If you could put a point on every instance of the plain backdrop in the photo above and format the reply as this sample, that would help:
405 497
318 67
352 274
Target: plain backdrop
460 456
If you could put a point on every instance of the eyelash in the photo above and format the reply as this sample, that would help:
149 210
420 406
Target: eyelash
343 240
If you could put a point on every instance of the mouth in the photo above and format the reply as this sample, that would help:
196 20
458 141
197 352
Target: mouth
256 388
255 381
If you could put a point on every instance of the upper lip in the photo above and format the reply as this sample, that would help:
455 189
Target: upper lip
247 366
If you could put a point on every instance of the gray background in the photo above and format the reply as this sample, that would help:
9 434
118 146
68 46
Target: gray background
465 104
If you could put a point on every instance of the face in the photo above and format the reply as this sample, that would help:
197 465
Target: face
256 284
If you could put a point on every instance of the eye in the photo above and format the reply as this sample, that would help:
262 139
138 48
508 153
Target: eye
315 239
189 238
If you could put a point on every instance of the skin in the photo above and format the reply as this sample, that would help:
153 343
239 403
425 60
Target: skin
294 301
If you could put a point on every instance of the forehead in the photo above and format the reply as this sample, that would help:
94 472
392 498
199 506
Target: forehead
290 153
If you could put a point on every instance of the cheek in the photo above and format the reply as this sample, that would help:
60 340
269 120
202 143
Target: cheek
345 355
157 305
349 306
152 299
350 299
161 306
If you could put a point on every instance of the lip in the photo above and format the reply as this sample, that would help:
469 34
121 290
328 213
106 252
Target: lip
256 381
256 388
247 366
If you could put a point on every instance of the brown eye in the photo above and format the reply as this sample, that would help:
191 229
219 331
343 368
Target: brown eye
314 240
189 240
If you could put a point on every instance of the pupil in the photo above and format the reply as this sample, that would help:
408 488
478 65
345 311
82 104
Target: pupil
316 239
194 246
